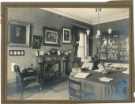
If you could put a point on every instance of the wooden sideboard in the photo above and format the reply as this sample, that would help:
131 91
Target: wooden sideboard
53 67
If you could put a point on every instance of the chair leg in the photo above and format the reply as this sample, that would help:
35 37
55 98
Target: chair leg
21 92
40 88
40 84
19 86
20 89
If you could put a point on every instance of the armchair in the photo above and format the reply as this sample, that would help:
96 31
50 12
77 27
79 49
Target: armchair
25 78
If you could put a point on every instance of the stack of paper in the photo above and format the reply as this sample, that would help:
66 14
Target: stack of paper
105 79
99 70
81 75
126 72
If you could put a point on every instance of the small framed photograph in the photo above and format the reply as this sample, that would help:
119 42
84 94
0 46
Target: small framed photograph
36 41
19 34
66 35
50 36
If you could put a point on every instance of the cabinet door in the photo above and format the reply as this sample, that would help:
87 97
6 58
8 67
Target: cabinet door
93 91
75 89
120 90
88 91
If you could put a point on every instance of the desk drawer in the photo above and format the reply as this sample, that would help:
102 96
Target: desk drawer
74 86
88 96
88 87
75 93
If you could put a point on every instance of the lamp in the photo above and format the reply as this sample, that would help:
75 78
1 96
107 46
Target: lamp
105 43
88 32
98 32
109 31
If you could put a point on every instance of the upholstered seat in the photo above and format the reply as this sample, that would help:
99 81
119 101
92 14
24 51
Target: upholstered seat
25 78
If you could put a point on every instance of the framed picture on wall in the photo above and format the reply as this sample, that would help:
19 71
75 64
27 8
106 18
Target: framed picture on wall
66 35
50 36
36 41
19 34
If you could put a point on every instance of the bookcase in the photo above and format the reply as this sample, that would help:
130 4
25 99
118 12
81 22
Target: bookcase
112 48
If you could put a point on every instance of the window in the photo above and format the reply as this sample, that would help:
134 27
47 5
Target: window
82 48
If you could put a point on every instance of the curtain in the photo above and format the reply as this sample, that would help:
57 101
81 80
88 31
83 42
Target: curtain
82 48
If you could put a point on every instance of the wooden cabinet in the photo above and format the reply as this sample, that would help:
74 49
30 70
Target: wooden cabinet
53 67
112 48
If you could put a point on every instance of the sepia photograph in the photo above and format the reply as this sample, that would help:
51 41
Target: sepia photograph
96 65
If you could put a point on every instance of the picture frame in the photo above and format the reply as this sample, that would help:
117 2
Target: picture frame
19 34
50 36
36 41
66 35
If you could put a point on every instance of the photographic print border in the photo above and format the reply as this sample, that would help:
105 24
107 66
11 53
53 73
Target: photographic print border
115 4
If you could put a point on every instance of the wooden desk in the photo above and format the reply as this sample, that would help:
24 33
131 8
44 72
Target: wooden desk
91 88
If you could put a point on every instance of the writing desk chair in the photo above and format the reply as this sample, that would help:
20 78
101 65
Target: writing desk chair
25 78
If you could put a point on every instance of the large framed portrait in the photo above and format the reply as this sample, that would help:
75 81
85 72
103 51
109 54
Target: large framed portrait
66 35
19 34
50 36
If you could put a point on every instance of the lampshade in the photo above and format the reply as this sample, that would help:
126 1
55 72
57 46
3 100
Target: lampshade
105 43
98 33
109 42
109 30
88 31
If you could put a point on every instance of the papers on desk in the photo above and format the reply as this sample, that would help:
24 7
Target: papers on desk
126 72
87 65
101 68
105 79
81 75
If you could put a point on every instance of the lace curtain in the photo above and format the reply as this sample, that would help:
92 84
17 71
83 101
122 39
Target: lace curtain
82 48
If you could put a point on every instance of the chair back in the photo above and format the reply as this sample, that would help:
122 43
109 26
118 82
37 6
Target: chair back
17 69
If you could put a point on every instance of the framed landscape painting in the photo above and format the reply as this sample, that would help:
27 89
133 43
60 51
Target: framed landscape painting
50 36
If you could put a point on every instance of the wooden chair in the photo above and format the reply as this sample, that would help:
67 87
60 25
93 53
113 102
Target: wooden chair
25 78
